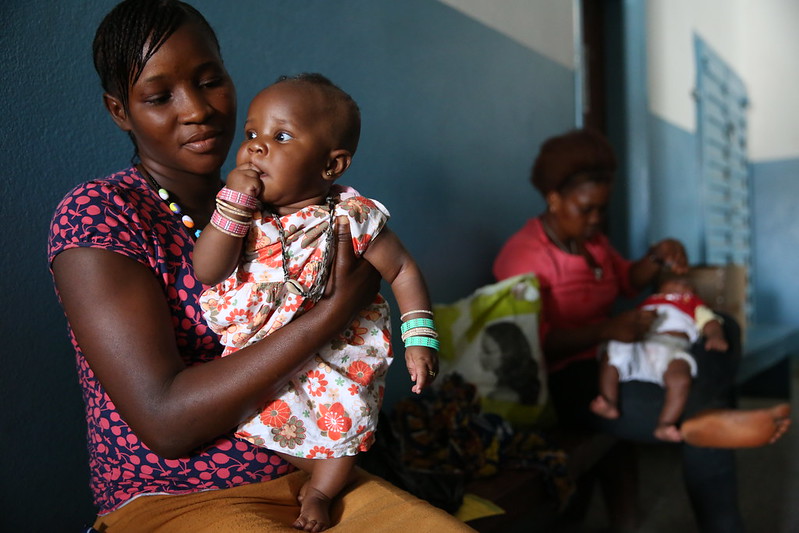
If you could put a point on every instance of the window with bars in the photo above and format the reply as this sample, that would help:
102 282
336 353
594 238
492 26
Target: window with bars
721 104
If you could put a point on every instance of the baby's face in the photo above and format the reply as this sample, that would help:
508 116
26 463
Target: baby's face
677 286
288 141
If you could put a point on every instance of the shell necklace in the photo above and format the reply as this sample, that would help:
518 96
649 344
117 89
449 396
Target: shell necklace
317 288
187 221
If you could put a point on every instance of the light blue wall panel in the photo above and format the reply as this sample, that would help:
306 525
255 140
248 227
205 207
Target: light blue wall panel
453 114
676 208
775 190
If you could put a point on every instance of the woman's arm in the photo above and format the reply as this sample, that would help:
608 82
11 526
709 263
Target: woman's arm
122 323
627 326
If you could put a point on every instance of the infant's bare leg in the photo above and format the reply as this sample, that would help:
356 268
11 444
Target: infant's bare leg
327 478
606 403
677 382
737 428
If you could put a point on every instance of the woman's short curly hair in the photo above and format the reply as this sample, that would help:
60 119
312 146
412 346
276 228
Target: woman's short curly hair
575 157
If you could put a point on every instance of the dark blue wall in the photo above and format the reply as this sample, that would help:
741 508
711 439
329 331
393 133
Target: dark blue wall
453 113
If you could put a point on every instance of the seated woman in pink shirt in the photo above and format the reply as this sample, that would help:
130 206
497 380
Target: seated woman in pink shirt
581 277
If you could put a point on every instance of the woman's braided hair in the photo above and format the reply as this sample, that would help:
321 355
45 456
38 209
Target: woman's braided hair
129 36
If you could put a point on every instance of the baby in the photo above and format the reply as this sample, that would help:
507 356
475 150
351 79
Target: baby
664 356
268 252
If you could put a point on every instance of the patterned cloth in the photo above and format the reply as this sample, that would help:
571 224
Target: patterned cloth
330 408
123 214
444 431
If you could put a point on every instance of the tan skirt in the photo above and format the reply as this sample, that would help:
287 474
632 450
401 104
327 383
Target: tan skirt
369 504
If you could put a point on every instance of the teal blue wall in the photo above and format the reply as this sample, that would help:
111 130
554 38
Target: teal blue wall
676 210
453 113
676 201
775 189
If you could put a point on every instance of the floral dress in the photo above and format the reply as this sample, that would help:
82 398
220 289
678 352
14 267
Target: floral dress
330 408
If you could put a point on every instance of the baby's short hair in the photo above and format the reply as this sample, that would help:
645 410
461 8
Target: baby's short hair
351 126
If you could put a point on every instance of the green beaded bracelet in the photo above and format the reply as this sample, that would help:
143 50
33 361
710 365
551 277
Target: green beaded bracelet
417 323
429 342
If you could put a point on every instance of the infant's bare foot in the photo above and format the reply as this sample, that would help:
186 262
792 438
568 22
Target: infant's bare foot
734 428
314 511
668 433
604 407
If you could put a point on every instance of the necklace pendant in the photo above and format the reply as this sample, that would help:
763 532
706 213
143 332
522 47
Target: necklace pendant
598 273
293 286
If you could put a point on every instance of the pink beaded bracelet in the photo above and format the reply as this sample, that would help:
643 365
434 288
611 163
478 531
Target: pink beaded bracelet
245 200
228 226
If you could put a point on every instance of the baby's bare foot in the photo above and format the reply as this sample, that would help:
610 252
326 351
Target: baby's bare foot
314 511
668 433
734 428
604 408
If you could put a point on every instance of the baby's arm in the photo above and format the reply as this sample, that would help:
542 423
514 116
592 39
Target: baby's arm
714 336
398 268
218 251
712 329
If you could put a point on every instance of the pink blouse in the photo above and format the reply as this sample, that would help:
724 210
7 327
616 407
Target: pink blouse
572 293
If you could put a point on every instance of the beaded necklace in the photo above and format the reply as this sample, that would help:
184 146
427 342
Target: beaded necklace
572 249
173 205
317 288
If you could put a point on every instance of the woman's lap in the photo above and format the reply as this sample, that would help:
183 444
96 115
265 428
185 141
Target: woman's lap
640 403
709 473
370 504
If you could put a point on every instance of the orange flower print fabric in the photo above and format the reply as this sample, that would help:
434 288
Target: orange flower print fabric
330 408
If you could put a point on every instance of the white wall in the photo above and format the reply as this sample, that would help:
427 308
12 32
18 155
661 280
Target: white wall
671 26
756 37
770 62
545 26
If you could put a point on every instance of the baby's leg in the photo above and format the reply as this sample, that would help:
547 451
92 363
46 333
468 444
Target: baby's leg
328 478
606 402
677 381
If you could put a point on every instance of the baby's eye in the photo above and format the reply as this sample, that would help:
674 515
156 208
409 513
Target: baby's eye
283 137
249 135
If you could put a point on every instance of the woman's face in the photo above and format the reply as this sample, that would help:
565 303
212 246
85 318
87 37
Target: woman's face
182 109
578 213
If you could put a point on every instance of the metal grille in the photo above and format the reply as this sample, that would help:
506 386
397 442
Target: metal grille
724 169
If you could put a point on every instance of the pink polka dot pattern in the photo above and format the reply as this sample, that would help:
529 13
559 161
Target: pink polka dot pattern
123 214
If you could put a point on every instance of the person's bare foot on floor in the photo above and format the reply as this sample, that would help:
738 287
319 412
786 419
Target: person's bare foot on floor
668 433
737 428
605 408
314 510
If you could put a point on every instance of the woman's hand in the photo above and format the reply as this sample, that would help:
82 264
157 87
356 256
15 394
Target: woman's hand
353 282
629 326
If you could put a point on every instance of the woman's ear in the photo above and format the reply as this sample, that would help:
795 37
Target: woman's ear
338 162
117 111
553 201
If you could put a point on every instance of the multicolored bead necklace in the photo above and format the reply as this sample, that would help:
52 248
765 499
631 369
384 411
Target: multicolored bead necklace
173 206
